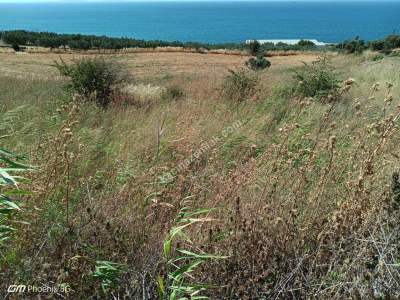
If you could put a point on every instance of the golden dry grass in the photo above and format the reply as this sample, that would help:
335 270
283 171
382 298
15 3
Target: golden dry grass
147 64
299 187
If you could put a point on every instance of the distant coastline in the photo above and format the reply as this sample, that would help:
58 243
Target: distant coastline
289 41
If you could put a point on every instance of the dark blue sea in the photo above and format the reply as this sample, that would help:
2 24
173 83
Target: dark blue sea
210 21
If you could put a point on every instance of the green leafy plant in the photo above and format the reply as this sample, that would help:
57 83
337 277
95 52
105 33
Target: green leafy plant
11 167
108 273
8 183
94 79
181 263
317 80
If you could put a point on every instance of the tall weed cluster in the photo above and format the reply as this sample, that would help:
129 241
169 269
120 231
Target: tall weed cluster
316 216
239 85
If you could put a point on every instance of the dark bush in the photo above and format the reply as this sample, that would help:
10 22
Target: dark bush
392 41
15 37
377 45
16 47
306 44
254 47
385 45
258 63
94 79
317 80
353 46
173 92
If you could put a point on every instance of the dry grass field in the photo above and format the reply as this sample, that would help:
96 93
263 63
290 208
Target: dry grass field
143 65
286 192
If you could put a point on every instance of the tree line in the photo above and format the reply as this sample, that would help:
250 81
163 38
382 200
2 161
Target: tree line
17 38
86 42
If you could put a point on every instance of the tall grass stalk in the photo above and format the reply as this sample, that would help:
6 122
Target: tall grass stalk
11 168
182 263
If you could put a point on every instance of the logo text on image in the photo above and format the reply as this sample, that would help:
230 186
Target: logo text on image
14 288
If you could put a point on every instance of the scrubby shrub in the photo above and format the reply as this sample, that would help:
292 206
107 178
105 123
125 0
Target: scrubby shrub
239 85
254 47
377 45
16 47
173 92
306 43
317 80
258 63
14 37
385 45
353 46
392 41
94 79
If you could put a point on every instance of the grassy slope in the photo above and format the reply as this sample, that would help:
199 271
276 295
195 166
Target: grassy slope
293 184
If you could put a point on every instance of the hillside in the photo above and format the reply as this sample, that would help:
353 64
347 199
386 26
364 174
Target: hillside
279 194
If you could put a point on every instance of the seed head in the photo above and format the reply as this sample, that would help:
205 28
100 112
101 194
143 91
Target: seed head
349 81
389 85
388 99
375 87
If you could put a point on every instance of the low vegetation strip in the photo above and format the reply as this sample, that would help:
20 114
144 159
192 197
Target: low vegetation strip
18 38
